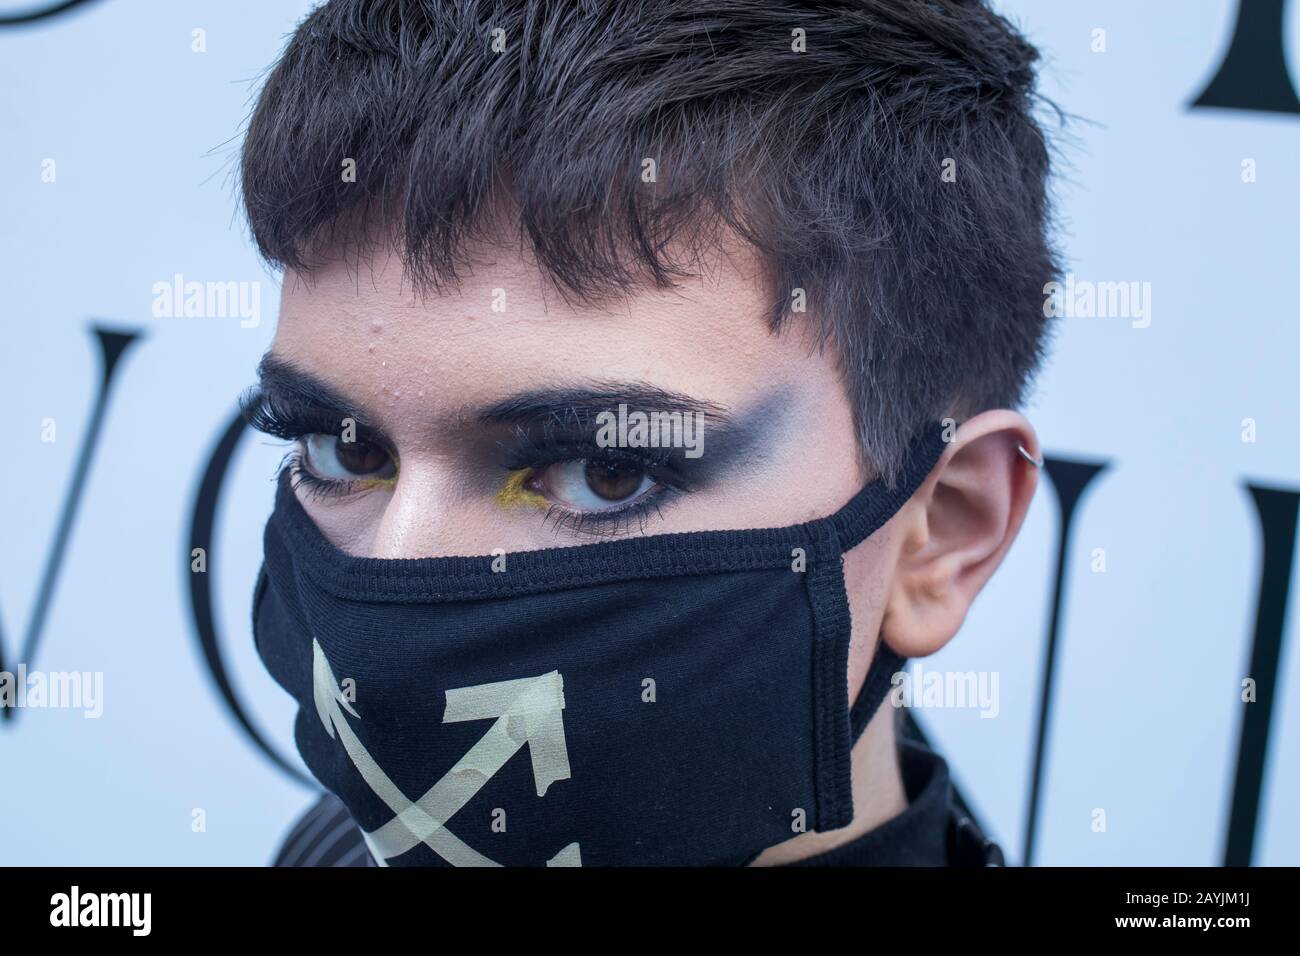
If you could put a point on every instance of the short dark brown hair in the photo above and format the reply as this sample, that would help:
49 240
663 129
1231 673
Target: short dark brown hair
830 160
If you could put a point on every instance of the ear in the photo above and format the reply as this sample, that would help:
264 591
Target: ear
957 528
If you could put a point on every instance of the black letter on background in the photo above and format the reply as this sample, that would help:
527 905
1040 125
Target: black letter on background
1277 512
204 519
112 345
1069 480
1253 74
36 14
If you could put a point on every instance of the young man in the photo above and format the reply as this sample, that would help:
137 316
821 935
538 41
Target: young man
651 371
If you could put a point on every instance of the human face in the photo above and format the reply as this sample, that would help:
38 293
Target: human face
474 428
451 402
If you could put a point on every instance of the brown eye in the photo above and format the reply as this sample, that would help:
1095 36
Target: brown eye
590 486
331 459
612 481
360 458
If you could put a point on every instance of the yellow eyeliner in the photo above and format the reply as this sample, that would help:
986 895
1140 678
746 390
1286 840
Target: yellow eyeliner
369 484
389 483
513 494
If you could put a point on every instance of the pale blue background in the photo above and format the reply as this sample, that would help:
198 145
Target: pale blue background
1146 722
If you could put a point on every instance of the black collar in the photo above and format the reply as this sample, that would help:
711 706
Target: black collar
932 831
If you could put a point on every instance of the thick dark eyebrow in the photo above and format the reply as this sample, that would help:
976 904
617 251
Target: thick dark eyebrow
575 406
284 382
584 402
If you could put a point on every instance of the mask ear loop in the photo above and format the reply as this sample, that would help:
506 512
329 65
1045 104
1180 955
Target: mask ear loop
857 522
875 504
887 663
880 678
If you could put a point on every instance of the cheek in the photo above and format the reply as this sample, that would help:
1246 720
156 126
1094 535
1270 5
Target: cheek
349 526
867 576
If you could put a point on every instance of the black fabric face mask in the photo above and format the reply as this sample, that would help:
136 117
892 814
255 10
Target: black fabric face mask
670 699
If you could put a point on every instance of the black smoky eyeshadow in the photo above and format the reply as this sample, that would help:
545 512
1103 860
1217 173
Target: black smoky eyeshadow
552 443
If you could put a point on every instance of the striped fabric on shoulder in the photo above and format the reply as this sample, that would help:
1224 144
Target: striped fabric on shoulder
324 836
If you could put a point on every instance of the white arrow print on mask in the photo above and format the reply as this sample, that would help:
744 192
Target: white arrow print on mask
527 711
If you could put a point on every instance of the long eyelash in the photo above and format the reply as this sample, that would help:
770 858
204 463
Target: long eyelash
558 439
553 447
611 523
565 437
315 487
291 421
261 413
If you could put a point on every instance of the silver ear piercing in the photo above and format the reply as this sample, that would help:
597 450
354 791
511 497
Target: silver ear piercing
1024 453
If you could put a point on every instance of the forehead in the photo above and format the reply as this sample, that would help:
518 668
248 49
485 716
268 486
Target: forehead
505 327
